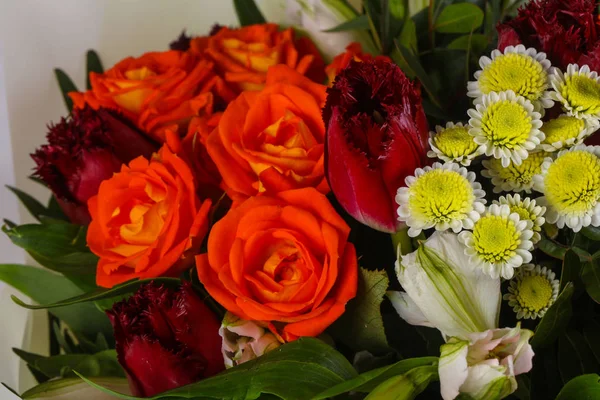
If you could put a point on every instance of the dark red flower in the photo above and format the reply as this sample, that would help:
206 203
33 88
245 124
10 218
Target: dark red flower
566 30
165 338
82 151
182 43
376 136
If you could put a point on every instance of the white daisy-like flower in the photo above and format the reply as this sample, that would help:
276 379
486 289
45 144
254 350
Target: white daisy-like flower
571 187
532 291
499 243
527 210
578 90
524 71
506 126
566 131
453 144
444 196
516 178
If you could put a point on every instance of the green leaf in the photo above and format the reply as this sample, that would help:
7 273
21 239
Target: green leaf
459 18
29 358
523 388
574 356
590 275
75 388
552 248
591 333
591 232
60 247
397 9
100 293
44 286
93 64
103 363
476 42
405 387
555 320
66 85
361 326
584 387
414 63
33 206
295 371
248 13
359 23
571 268
369 380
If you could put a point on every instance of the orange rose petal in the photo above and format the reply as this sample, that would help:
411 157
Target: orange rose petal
316 324
216 288
303 221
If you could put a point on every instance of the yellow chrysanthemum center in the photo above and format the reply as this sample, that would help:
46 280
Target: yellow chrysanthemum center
455 142
582 93
524 215
495 238
441 196
523 173
534 293
517 72
506 124
562 128
572 184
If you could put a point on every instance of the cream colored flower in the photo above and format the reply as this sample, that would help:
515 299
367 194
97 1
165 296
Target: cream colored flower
453 144
527 210
532 291
566 131
506 127
444 196
578 90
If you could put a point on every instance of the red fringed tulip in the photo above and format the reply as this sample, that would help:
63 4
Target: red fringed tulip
376 136
566 30
165 338
82 151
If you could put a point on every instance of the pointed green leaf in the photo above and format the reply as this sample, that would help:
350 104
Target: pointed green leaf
552 248
590 275
591 333
369 380
295 371
476 42
574 356
35 208
356 24
44 286
459 18
555 320
415 65
103 363
248 13
93 65
361 326
75 388
405 387
100 293
584 387
66 85
591 232
571 268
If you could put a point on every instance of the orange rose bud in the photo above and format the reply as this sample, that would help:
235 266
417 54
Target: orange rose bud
244 55
272 140
158 91
283 260
341 61
146 220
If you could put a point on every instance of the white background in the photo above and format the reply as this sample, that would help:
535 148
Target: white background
35 37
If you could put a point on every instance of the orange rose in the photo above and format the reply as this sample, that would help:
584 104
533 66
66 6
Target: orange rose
341 61
282 260
243 56
146 220
272 140
157 91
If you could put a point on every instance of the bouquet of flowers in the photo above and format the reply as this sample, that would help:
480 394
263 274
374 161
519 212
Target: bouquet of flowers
259 213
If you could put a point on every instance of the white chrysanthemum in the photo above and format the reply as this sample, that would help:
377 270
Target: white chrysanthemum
444 196
524 71
566 131
506 126
453 144
500 242
571 187
532 291
527 210
578 90
516 178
